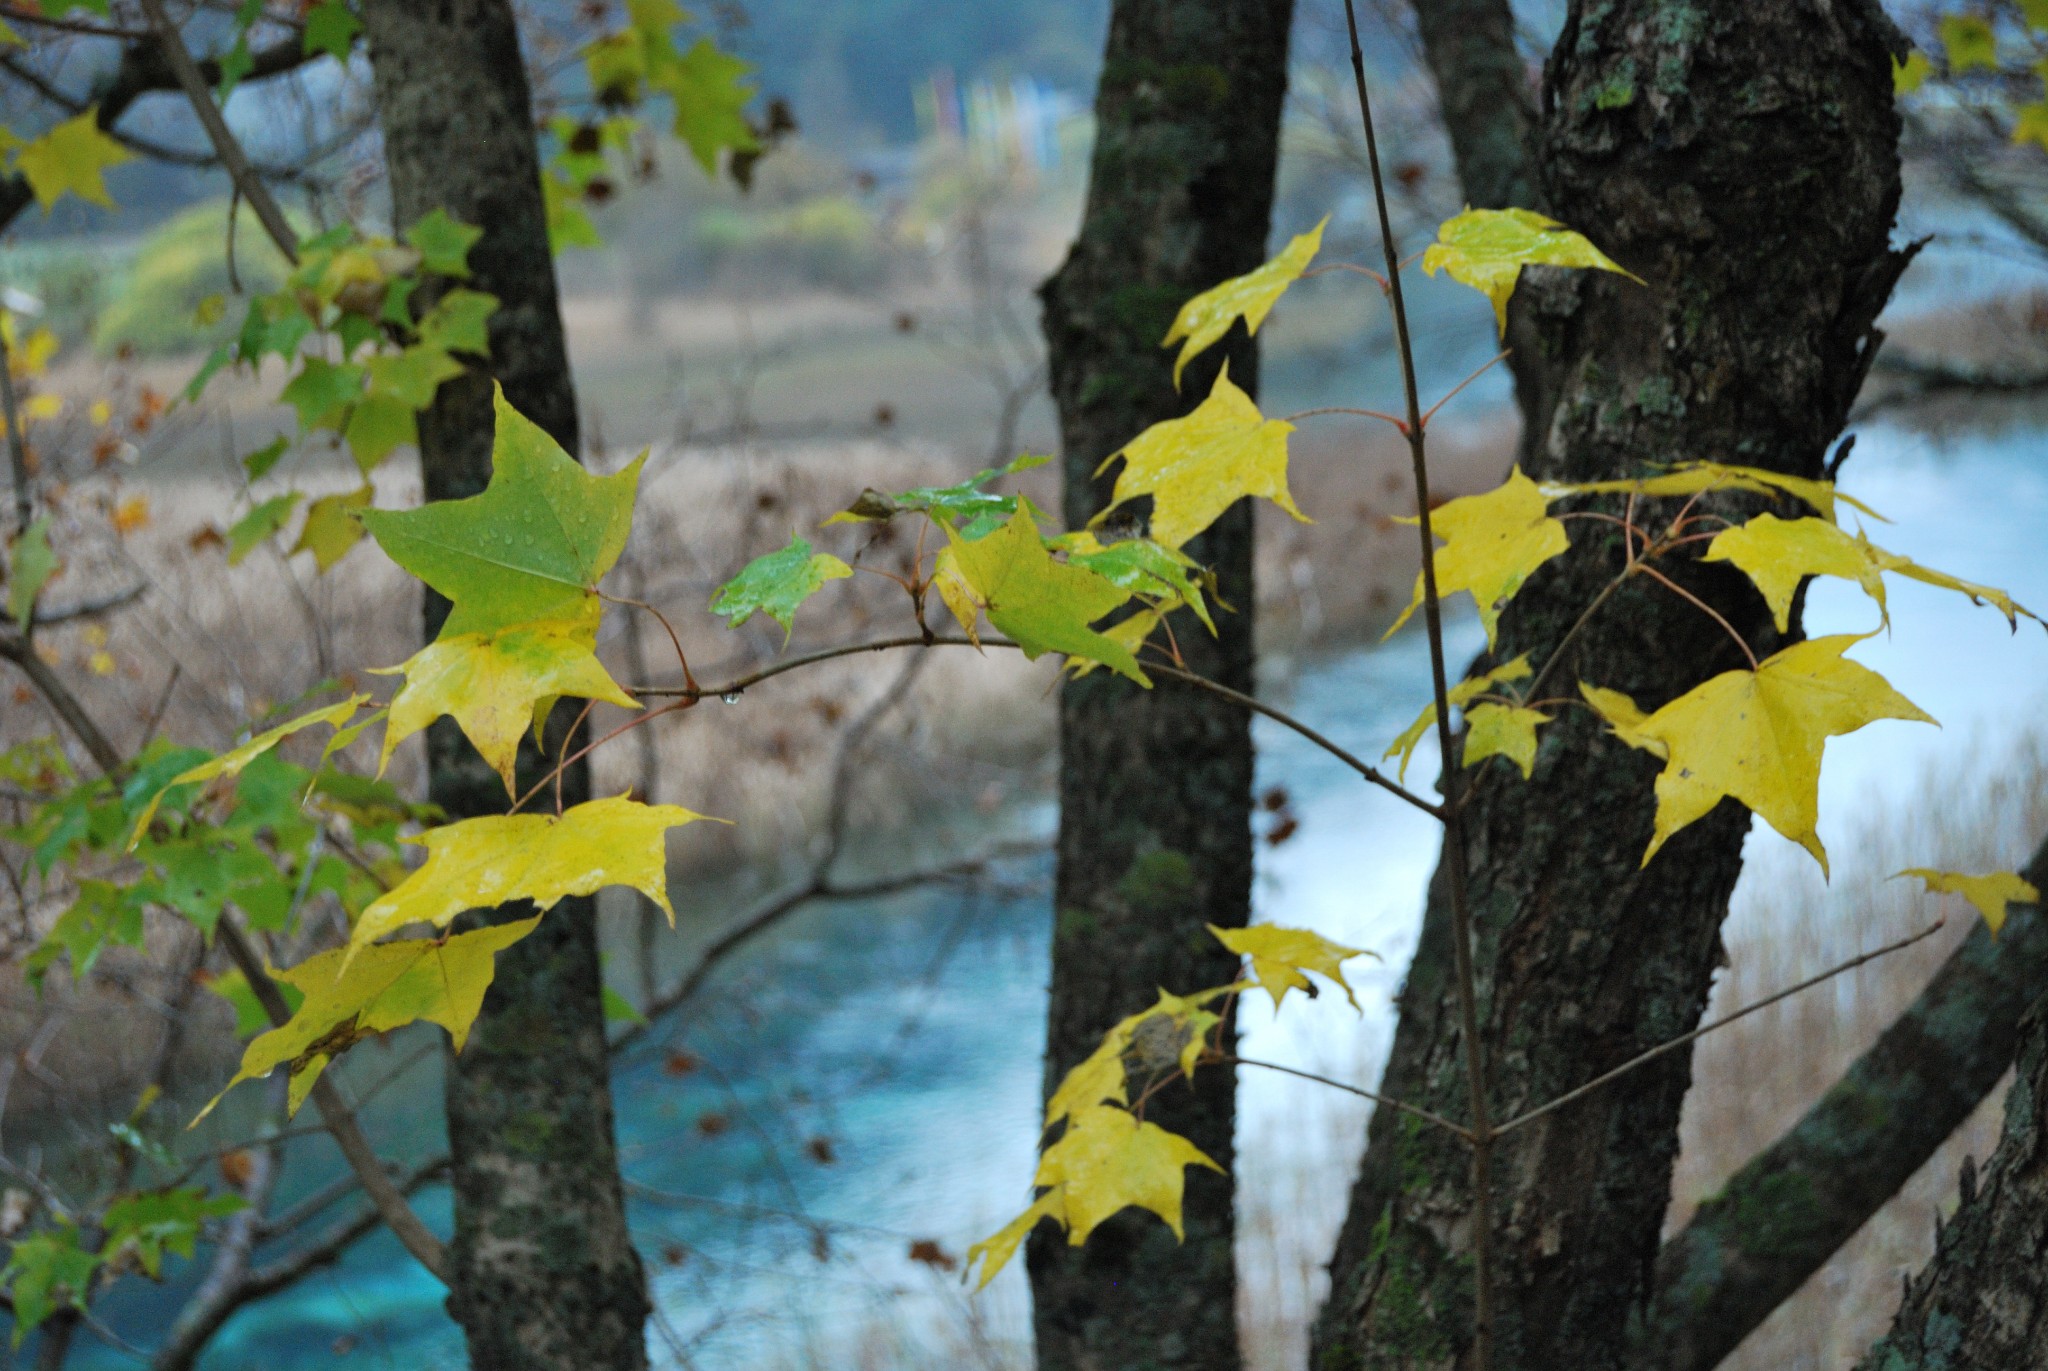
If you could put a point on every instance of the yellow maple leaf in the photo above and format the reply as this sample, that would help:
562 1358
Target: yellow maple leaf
1777 554
1702 478
389 986
231 762
1486 249
70 157
1197 466
1280 956
1044 605
1181 1023
491 682
1757 736
482 863
1459 694
1492 543
994 1252
1207 317
1990 892
1503 731
1108 1161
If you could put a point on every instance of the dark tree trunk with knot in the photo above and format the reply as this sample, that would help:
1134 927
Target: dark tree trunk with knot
1740 156
544 1274
1982 1302
1155 786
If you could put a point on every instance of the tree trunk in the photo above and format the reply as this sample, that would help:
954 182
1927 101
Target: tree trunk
544 1272
1741 157
1784 1214
1981 1304
1155 786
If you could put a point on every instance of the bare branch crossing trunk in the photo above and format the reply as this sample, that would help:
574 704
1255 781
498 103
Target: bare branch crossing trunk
1741 157
544 1276
1156 786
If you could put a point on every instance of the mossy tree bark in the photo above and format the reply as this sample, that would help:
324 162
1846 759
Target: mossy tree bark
1981 1304
1156 786
1741 157
544 1273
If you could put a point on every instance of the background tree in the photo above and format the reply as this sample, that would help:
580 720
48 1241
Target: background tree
542 1269
1156 785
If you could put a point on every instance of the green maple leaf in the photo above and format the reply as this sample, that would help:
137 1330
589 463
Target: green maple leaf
71 157
250 531
332 29
533 546
31 567
1043 604
444 243
775 584
709 91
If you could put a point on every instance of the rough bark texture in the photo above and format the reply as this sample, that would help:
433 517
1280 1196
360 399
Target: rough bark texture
544 1272
1483 89
1785 1213
1155 789
1741 158
1981 1304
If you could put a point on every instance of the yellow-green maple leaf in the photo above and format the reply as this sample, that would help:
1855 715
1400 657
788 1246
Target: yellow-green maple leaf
1757 736
1492 543
231 762
1280 956
331 526
1465 690
1196 467
1486 249
1970 43
1494 730
532 546
1777 554
1108 1161
1208 316
1044 605
71 157
1990 892
491 683
387 987
482 863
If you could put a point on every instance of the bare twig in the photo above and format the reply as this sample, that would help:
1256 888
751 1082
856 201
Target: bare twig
1418 1111
231 155
1481 1131
1644 1058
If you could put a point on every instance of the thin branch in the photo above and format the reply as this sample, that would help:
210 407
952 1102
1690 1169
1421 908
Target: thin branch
1481 1139
1399 423
335 1113
1452 394
1702 605
738 686
17 451
1644 1058
780 907
231 155
1389 1101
